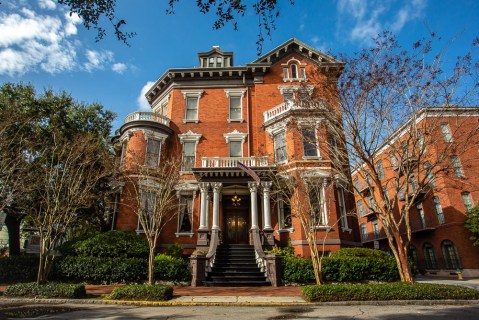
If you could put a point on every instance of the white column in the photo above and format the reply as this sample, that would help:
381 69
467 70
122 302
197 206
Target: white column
203 193
216 205
207 210
266 205
253 189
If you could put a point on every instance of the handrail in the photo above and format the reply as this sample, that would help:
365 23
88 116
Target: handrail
232 162
147 116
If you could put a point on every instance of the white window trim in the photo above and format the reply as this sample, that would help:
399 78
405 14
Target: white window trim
300 72
154 136
344 215
186 193
446 126
235 93
192 94
189 136
157 107
235 135
313 126
281 217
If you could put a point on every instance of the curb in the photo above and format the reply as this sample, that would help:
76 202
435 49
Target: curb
239 304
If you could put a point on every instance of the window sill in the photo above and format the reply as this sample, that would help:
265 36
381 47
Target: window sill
322 227
312 158
184 234
294 79
235 120
190 121
286 230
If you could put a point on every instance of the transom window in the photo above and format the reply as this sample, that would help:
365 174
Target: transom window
185 216
280 147
309 142
153 147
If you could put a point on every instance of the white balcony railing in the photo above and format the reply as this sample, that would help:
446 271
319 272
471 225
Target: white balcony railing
147 116
278 110
232 162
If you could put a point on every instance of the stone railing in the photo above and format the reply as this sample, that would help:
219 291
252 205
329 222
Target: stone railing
147 116
232 162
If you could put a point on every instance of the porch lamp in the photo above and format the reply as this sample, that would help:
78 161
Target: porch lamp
236 201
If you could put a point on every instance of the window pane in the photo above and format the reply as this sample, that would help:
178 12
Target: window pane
440 214
364 232
211 62
303 73
185 222
309 142
315 204
294 71
430 175
235 107
285 73
467 200
192 108
236 149
280 147
284 214
189 152
219 62
152 152
457 167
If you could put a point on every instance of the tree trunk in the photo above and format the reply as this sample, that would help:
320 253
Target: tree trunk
13 226
400 254
151 265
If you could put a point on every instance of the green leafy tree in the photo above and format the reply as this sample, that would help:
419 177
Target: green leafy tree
472 224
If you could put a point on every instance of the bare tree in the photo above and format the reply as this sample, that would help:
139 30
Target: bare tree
307 193
391 102
61 180
151 194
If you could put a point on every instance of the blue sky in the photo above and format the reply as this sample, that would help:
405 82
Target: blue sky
41 44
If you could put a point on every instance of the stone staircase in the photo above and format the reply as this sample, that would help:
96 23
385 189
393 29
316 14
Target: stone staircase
235 266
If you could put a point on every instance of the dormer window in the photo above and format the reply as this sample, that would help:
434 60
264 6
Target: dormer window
211 63
219 62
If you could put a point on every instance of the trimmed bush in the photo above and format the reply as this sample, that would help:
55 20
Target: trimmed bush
387 291
102 270
359 252
175 250
111 244
18 269
142 292
356 269
48 290
298 270
171 268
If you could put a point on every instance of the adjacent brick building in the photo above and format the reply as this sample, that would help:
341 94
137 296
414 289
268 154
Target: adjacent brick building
440 243
216 115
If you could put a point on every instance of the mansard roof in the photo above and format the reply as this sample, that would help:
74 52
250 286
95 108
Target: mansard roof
294 45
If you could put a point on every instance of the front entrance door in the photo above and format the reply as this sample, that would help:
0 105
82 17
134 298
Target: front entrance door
236 222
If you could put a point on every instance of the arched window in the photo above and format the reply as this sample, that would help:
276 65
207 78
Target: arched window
451 256
294 71
430 256
413 255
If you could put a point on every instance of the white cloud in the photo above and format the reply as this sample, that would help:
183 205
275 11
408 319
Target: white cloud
143 104
47 4
96 60
44 41
119 67
364 20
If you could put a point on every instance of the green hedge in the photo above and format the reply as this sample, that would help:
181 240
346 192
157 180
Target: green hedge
387 291
111 244
101 270
345 265
18 269
48 290
171 268
142 293
355 269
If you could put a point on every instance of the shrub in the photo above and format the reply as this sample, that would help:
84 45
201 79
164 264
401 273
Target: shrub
18 269
142 292
112 244
104 270
359 252
48 290
171 268
354 269
387 291
175 250
297 269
